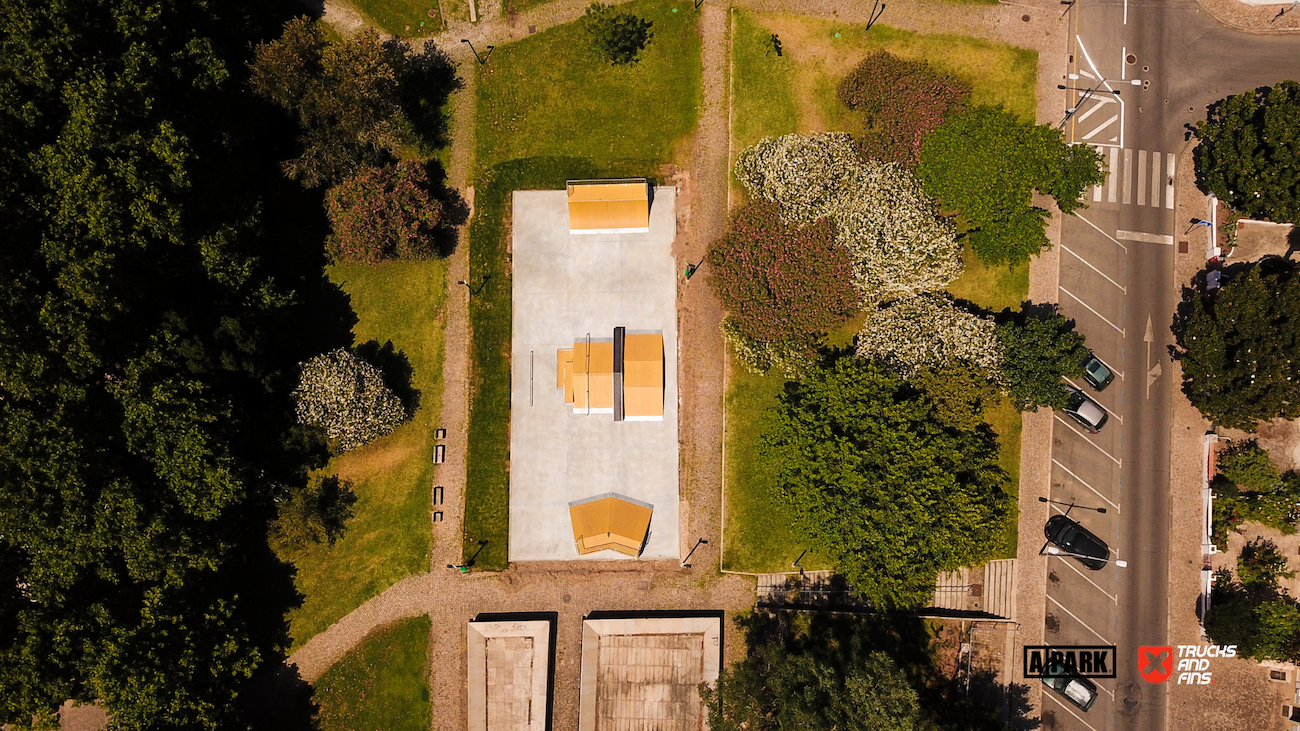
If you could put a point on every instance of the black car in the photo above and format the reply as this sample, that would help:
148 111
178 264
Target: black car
1088 413
1078 541
1096 373
1077 689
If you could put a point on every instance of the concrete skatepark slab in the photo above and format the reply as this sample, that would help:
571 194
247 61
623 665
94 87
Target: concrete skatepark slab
564 287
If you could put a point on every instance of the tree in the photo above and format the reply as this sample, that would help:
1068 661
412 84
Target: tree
346 96
958 392
1250 489
1037 352
1248 466
928 331
346 396
1263 623
617 36
873 480
313 515
895 238
902 102
986 163
383 213
1240 350
1249 155
781 283
1261 564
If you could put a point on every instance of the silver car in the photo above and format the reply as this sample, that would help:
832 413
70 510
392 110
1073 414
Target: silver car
1088 413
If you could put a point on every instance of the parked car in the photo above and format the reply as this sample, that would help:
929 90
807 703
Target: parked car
1078 690
1096 373
1072 538
1088 413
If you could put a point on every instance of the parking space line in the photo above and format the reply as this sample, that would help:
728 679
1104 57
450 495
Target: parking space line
1081 482
1103 233
1104 641
1119 329
1085 578
1122 288
1112 368
1165 239
1118 416
1072 713
1118 462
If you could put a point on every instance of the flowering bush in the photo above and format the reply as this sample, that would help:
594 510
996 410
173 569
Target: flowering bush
897 241
1261 564
383 213
347 397
781 283
902 102
758 357
928 331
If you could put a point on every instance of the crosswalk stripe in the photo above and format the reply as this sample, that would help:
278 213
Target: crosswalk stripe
1169 189
1114 169
1128 177
1155 178
1142 177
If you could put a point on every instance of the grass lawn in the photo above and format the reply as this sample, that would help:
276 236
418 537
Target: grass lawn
519 6
403 18
389 537
795 92
549 111
382 684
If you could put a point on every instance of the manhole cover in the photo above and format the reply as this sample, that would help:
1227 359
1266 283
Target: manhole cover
1130 59
643 585
433 12
1146 68
1025 18
532 29
1191 109
567 599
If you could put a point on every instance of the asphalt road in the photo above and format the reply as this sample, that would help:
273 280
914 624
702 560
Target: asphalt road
1115 275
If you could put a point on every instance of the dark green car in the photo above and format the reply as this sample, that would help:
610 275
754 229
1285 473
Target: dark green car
1096 373
1078 690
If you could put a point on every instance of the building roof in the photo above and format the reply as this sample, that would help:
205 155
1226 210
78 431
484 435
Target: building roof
610 521
643 376
609 206
509 677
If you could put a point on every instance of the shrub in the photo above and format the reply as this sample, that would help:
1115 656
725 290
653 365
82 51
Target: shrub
346 396
1248 466
1262 623
1261 564
902 101
617 36
1037 352
1250 488
383 213
897 241
759 357
781 283
986 164
311 515
958 392
1249 155
928 331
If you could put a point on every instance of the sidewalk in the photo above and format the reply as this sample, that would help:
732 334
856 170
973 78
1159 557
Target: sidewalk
1253 18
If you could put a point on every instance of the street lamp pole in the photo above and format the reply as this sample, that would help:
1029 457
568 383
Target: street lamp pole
1076 88
1070 506
1054 551
686 561
481 59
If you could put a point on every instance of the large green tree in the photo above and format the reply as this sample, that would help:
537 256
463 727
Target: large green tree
147 349
1240 349
1249 154
875 480
1037 352
986 164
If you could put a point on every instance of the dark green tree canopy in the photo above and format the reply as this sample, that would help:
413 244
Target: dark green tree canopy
1037 352
617 36
1249 155
1240 350
876 481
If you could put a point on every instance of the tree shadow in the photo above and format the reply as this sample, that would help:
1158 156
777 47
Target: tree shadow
1292 242
277 698
455 210
397 370
431 80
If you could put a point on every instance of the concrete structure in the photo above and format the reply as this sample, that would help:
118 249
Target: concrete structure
645 673
566 286
610 522
609 206
509 675
623 375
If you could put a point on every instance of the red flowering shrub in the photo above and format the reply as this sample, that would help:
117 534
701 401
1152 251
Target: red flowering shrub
902 102
781 283
383 213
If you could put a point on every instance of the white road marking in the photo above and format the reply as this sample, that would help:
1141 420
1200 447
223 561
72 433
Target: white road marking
1169 189
1103 233
1095 269
1104 641
1155 176
1142 177
1118 462
1101 102
1119 417
1098 314
1081 482
1165 239
1114 174
1104 83
1104 125
1084 72
1061 703
1085 578
1128 177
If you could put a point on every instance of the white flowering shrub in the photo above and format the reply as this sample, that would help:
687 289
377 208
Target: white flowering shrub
928 330
898 242
759 357
346 396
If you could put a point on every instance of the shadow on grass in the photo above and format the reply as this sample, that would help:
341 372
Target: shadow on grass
396 369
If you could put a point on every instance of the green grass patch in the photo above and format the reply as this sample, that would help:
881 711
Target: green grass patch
519 6
389 537
549 95
993 287
403 18
763 95
382 684
1006 421
549 111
